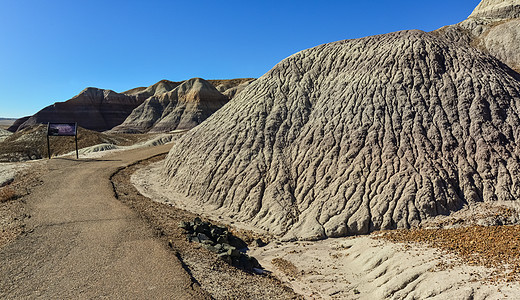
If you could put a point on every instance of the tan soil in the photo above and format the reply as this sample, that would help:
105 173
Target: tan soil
490 246
31 143
13 213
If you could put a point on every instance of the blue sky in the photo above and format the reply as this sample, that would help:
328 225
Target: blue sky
51 50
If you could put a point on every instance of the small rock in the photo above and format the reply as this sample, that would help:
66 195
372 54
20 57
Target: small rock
225 257
223 239
203 237
210 248
237 242
185 226
258 243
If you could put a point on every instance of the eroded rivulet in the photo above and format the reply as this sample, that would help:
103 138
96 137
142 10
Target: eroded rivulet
358 135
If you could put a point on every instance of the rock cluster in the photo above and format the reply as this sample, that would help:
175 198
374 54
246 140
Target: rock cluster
358 135
219 240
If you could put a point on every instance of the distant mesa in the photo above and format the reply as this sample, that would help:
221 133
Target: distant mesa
93 108
101 110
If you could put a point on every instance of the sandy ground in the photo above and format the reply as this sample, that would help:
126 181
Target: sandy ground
363 267
59 242
8 171
343 268
149 182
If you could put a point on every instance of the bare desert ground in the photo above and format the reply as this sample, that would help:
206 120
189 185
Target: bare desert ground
469 254
402 264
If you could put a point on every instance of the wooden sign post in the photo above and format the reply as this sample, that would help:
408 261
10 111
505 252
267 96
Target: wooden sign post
62 129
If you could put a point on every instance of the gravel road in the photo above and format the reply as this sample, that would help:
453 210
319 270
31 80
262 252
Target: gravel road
81 242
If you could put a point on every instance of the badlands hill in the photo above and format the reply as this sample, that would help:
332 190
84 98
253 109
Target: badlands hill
183 107
349 137
159 88
4 134
101 110
93 108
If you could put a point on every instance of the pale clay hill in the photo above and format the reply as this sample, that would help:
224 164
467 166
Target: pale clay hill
494 28
358 135
183 107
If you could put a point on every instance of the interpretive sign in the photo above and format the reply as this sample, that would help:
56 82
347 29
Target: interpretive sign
62 129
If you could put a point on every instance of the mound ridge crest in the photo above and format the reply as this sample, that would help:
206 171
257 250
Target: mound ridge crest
358 135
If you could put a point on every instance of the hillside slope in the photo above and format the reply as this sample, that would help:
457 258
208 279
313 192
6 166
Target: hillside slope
93 108
494 27
358 135
184 107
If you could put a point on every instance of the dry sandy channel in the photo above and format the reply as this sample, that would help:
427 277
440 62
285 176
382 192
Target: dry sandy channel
354 267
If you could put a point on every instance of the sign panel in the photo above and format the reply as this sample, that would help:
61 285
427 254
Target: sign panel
62 129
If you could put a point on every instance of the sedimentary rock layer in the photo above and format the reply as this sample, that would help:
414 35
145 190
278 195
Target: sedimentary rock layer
184 107
358 135
93 108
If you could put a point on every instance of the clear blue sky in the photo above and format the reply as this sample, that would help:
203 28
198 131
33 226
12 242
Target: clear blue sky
51 50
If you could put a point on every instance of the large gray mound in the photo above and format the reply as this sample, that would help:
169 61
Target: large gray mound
184 107
358 135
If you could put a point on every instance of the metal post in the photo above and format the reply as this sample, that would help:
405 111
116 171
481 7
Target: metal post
76 138
48 147
48 144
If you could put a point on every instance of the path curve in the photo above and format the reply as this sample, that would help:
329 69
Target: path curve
84 243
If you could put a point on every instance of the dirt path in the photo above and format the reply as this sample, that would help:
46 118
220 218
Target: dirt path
84 243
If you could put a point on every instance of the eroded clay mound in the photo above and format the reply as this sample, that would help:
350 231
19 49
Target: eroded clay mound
156 89
93 108
358 135
184 107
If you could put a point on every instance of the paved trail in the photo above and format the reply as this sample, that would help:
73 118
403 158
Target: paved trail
86 244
